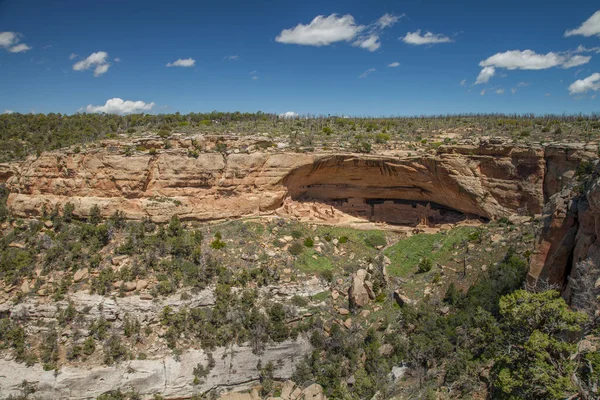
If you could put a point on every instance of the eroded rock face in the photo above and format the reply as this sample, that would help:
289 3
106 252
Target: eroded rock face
486 180
569 236
235 367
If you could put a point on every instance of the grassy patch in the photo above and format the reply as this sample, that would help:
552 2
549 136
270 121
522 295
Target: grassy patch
319 297
406 254
306 262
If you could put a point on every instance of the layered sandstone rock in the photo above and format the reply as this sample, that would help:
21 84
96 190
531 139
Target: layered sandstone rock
487 181
171 377
569 235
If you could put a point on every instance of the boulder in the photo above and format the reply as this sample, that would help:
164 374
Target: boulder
141 284
81 274
370 291
313 392
25 287
287 389
402 299
357 293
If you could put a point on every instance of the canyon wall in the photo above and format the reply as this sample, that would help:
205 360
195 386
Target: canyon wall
488 181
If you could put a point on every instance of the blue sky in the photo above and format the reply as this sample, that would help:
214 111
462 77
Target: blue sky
279 56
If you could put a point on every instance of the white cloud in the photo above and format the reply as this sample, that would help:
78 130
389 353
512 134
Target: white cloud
583 49
117 59
429 38
575 61
8 112
485 75
370 43
10 41
232 58
367 73
463 82
394 64
73 56
97 60
7 39
185 62
289 114
387 20
20 48
548 94
482 92
255 78
119 106
500 91
513 90
322 31
589 28
582 86
530 60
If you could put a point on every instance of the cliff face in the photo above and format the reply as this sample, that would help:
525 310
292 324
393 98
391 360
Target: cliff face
569 235
487 181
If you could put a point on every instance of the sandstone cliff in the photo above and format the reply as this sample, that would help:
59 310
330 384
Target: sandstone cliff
486 180
570 234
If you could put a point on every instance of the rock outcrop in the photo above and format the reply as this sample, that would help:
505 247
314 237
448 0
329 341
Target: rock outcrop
569 235
358 293
489 180
168 376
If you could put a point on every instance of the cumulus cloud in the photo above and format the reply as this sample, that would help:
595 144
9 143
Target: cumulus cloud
367 73
591 27
463 82
528 60
8 112
10 41
500 91
73 56
485 75
370 43
575 61
120 106
482 93
324 31
289 114
255 78
98 61
582 86
394 64
185 62
20 48
428 38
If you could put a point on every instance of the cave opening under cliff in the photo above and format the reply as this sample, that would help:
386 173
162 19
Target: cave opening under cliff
402 212
380 190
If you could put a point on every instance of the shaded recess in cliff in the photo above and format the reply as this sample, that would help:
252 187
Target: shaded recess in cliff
406 192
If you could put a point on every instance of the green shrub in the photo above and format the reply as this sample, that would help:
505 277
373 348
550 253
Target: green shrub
375 239
425 265
308 242
296 248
